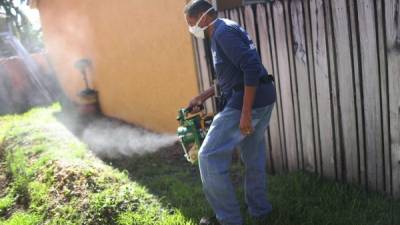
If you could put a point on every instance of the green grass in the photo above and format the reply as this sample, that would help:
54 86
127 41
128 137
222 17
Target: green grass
298 198
56 180
21 218
5 203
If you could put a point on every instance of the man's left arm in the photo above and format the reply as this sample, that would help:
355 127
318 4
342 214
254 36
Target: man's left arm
248 100
245 57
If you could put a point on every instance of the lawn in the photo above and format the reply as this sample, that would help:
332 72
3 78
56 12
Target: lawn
48 176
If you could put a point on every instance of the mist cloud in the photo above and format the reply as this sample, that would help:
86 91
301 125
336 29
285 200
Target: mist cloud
113 139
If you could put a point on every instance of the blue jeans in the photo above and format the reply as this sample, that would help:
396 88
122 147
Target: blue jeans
215 158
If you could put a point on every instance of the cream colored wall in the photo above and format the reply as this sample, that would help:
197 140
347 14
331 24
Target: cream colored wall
142 54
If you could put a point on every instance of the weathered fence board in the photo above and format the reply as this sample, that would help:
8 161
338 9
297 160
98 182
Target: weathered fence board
351 8
331 54
249 22
322 80
303 85
200 80
271 30
384 94
392 12
271 26
293 84
241 17
285 85
337 69
233 15
346 89
205 72
311 67
371 94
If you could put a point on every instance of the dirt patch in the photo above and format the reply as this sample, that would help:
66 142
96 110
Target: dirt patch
71 182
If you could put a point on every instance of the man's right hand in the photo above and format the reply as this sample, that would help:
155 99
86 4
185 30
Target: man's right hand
195 105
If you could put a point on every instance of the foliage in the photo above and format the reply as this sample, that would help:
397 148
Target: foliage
19 24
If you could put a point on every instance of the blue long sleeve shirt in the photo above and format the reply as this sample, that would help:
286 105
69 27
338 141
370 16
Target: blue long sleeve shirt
236 61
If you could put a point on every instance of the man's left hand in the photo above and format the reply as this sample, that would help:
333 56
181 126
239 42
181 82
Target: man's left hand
246 128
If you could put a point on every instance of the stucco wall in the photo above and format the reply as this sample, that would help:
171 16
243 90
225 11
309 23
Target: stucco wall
141 51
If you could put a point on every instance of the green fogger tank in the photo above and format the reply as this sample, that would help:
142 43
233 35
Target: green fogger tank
192 130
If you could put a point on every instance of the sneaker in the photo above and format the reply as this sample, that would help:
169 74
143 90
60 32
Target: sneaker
209 221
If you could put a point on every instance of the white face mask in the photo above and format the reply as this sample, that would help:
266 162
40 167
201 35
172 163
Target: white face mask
199 31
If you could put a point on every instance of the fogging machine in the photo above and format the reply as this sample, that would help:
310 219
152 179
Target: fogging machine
192 130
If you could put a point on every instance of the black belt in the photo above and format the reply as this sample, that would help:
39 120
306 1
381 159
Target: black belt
263 80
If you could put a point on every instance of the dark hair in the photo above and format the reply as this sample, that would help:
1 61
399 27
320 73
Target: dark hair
195 7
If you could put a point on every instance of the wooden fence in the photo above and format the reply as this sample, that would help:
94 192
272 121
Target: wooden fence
337 70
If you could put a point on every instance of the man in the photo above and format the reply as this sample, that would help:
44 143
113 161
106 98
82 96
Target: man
248 95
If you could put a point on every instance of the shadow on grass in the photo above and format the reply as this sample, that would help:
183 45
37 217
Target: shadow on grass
167 175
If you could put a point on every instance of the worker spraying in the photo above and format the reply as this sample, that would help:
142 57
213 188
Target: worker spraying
246 97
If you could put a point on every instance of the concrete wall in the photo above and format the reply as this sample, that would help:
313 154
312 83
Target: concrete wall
141 51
